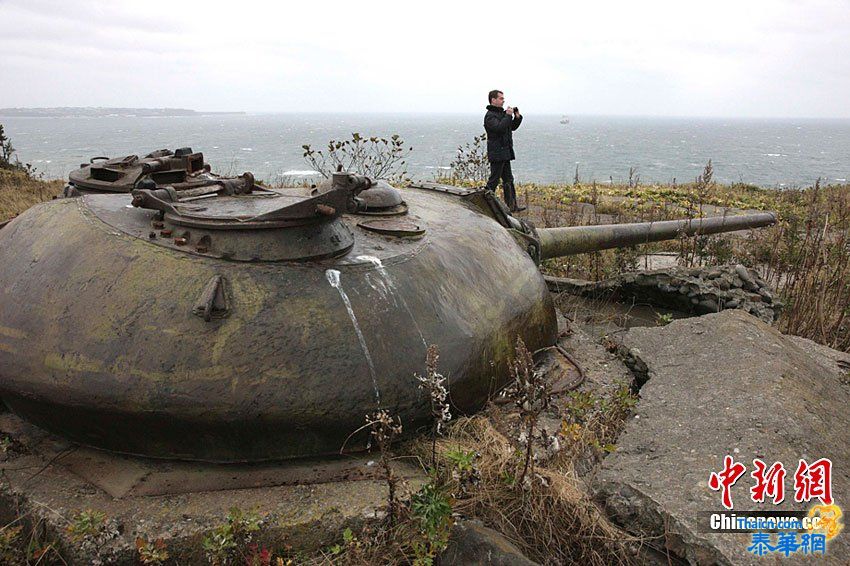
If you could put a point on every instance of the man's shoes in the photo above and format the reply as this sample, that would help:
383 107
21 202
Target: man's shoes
517 208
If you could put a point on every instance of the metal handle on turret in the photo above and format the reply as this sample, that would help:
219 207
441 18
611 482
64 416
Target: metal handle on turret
557 242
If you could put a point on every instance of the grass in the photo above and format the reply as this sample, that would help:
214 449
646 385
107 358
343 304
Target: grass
19 191
479 469
805 256
550 517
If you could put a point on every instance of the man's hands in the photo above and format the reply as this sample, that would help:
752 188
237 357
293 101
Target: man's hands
509 111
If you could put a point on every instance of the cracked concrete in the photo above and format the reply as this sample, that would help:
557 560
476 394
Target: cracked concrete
722 384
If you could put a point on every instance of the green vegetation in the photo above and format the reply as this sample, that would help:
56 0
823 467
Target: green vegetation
432 508
230 542
87 523
152 553
664 319
6 151
481 468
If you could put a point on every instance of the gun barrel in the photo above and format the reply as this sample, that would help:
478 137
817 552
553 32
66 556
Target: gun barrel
557 242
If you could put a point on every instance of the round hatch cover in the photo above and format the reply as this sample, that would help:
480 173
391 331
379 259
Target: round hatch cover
399 227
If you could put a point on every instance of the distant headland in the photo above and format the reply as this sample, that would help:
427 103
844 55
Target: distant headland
100 112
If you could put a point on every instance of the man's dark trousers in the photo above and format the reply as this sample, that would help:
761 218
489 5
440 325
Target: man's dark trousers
502 170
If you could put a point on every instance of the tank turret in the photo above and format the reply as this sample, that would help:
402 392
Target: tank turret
227 322
181 168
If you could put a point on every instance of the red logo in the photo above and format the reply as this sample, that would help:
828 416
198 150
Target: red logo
813 480
732 471
771 484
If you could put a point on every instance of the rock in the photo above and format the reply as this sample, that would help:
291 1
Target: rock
690 290
723 384
473 544
743 273
832 361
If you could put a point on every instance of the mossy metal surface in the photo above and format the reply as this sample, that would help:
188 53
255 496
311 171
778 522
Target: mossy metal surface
99 341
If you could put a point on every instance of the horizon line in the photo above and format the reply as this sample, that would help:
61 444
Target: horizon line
417 113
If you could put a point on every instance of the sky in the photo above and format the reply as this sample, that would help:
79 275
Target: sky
742 58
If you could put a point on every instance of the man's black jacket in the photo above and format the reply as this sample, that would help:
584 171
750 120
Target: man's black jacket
499 127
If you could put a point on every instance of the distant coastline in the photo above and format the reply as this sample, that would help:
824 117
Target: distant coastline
101 112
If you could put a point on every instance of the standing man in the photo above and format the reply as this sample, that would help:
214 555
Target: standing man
499 125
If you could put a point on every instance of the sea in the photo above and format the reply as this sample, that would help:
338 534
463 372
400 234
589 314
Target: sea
776 153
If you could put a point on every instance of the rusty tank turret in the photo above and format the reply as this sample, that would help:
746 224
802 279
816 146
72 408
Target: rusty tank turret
181 168
226 322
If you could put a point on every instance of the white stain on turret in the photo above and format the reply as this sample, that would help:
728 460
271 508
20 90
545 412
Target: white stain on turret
393 289
333 277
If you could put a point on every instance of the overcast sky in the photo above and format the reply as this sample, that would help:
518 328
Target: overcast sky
753 58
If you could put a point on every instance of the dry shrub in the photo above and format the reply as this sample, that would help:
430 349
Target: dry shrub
551 518
807 258
470 163
375 157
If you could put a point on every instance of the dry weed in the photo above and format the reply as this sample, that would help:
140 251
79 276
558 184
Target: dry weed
551 518
19 191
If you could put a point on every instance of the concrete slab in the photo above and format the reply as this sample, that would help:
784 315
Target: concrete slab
305 505
723 384
122 476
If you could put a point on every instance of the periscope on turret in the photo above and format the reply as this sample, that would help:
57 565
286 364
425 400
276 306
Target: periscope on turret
191 316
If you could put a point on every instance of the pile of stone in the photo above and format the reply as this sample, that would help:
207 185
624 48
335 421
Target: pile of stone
698 290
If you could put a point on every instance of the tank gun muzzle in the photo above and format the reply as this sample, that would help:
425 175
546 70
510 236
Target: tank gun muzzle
557 242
